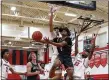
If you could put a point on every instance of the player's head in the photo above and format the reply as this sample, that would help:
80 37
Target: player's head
5 54
87 49
65 31
56 29
32 56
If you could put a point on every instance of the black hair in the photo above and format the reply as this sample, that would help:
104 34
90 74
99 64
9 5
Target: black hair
63 28
60 29
55 28
3 52
66 29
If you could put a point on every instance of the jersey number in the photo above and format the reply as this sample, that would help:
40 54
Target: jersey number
6 69
77 63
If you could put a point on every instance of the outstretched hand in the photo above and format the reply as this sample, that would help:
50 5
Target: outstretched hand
42 71
46 39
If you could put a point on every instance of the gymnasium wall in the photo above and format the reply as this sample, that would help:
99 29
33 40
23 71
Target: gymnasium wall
97 69
98 65
101 40
14 30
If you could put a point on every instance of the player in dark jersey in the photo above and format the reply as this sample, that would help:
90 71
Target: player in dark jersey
33 68
55 71
64 45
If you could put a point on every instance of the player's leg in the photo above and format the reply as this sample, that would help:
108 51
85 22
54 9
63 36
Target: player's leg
58 74
69 67
52 71
70 73
57 63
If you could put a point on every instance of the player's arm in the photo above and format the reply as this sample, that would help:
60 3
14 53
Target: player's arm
76 45
42 41
51 26
93 47
61 44
29 73
40 66
76 41
91 52
41 69
14 72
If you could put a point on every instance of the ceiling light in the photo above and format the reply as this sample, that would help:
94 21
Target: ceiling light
9 42
32 44
13 8
70 14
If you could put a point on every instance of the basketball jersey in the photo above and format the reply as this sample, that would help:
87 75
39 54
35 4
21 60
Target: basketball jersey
4 68
80 64
65 50
55 53
34 69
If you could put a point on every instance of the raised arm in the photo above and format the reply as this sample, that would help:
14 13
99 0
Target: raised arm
51 24
76 45
93 46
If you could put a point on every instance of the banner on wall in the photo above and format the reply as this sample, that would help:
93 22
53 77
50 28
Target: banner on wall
91 62
104 59
97 60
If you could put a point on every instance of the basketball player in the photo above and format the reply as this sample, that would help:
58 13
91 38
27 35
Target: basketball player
63 45
52 68
6 66
33 68
55 72
81 61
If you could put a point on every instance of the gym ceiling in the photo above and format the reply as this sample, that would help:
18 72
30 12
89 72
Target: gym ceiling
32 12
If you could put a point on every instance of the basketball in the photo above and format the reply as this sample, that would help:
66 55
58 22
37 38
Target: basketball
37 36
